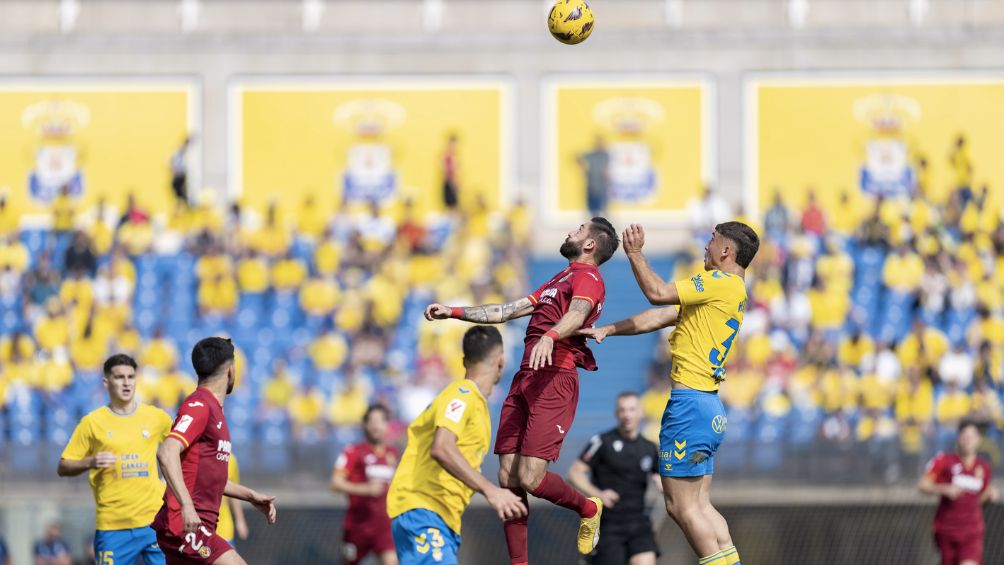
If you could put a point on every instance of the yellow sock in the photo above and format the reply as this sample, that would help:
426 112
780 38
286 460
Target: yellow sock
713 559
731 555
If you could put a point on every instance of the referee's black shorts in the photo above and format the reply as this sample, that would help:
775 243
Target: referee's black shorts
621 539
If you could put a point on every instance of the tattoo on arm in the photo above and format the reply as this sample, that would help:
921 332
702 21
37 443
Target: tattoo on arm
582 306
498 313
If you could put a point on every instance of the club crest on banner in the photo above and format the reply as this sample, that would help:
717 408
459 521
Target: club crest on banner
57 155
370 174
887 170
628 120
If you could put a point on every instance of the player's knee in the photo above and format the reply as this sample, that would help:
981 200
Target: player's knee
530 478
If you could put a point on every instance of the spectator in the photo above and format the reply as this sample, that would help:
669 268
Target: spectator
777 220
52 550
63 211
79 259
596 166
179 172
4 553
962 166
451 190
956 366
707 211
813 218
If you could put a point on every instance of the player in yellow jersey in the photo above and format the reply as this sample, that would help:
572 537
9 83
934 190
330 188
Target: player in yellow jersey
118 444
709 314
441 466
232 522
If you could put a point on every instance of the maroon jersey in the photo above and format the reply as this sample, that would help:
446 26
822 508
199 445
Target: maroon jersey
202 428
962 514
362 463
551 302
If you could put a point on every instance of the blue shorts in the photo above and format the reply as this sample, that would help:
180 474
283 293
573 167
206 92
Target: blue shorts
693 427
125 547
422 537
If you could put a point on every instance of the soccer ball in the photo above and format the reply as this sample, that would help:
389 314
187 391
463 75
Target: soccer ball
570 21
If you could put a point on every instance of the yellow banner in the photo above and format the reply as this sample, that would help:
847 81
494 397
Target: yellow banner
102 139
874 136
653 140
369 141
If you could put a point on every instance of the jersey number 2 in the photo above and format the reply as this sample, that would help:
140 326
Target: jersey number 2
717 357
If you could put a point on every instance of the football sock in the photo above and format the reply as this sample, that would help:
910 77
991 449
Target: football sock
554 489
731 555
516 532
713 559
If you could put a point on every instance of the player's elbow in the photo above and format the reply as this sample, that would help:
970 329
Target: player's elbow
61 469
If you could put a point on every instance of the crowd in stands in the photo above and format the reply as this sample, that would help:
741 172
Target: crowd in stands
873 329
323 306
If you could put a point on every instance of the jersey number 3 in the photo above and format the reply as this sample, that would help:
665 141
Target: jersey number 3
717 357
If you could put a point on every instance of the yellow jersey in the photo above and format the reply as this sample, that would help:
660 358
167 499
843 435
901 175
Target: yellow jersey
420 482
711 313
225 523
130 494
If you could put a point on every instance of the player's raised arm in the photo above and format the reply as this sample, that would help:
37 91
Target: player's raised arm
263 502
656 290
483 314
445 452
169 458
650 320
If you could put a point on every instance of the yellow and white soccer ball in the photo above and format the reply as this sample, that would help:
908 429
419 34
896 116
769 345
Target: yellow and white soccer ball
570 21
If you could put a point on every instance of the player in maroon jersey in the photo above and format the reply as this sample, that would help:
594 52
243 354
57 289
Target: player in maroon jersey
962 480
541 404
364 471
194 460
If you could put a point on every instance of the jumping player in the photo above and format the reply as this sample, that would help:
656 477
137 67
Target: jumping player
363 472
709 316
962 481
541 404
117 444
194 459
441 467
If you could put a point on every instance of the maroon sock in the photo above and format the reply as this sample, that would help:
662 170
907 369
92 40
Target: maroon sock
555 490
516 532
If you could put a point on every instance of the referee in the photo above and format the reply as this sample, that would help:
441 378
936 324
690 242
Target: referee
617 467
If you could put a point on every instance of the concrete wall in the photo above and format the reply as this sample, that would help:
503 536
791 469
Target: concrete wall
724 40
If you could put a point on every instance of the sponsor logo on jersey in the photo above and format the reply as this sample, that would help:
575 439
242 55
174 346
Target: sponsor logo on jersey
646 464
618 445
698 283
455 410
549 293
195 404
718 424
223 450
183 423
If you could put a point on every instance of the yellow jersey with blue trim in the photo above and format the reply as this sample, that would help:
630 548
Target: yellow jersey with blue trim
129 494
712 304
422 483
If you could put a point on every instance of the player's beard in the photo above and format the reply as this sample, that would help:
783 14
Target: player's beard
570 250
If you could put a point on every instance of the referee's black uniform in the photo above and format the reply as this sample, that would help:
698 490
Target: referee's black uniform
624 466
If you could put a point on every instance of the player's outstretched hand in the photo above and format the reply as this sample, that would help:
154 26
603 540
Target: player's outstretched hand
436 312
266 505
599 334
633 239
190 518
540 355
506 504
104 460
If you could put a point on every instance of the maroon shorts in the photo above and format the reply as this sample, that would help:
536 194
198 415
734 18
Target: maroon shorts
958 547
201 547
358 542
538 412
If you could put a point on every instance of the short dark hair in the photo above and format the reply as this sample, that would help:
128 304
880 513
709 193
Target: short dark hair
970 423
479 341
628 394
210 354
376 408
605 235
746 240
116 360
